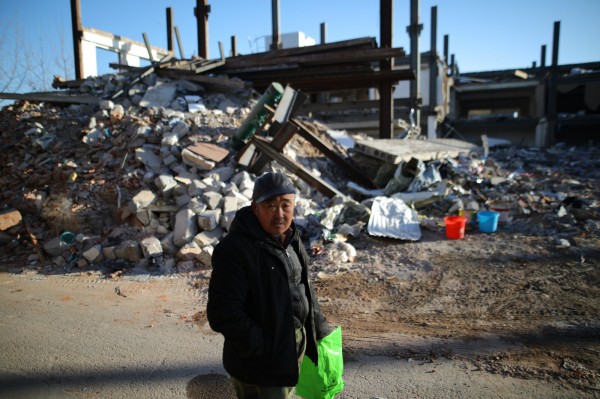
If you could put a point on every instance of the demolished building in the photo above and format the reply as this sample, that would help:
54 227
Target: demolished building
152 180
147 167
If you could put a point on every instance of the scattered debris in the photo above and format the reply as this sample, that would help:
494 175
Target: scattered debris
151 174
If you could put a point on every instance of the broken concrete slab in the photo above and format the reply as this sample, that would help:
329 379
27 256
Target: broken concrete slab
395 151
192 159
160 95
209 151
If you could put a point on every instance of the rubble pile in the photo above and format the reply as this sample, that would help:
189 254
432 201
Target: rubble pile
149 180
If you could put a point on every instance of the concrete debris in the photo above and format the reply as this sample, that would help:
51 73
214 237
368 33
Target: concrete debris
150 179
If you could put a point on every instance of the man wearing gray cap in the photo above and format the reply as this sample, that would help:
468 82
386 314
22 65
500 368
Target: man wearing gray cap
259 295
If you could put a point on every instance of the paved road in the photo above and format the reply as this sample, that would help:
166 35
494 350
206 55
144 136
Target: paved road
77 337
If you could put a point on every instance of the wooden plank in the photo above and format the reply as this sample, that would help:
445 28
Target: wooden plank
294 167
364 42
52 97
209 151
208 65
339 57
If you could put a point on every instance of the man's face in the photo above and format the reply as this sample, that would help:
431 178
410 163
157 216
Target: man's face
275 214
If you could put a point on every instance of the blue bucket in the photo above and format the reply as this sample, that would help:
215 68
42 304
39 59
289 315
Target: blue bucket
488 221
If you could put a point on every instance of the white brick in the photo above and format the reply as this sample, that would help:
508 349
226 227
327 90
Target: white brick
185 227
209 219
211 237
151 247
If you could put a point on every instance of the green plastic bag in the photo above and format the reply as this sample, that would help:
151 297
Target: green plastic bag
325 380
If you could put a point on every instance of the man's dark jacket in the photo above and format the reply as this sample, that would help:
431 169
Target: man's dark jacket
249 303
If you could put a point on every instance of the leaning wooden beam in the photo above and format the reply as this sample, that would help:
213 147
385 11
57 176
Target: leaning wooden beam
280 139
51 97
208 65
294 167
352 171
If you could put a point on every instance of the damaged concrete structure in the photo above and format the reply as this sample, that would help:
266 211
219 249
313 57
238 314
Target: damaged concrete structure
513 105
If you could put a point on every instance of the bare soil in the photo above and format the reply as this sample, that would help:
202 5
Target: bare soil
506 303
512 304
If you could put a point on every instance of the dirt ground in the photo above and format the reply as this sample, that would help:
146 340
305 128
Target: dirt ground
506 303
512 304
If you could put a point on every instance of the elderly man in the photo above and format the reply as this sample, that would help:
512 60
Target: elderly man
259 295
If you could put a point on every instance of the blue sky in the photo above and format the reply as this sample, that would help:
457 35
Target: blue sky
484 34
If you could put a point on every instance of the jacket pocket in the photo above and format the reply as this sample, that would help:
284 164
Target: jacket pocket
252 346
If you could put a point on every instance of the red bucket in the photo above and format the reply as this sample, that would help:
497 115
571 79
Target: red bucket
455 227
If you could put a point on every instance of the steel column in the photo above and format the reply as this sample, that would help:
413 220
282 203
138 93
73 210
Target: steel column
386 89
276 36
170 41
552 92
77 35
201 12
414 31
433 66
